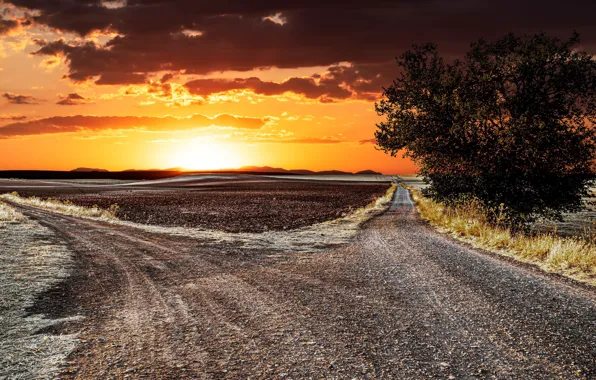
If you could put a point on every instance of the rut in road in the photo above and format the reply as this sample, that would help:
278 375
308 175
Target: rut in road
401 301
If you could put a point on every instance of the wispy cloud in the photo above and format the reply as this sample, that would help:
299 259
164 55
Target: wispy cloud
81 123
12 116
20 99
73 99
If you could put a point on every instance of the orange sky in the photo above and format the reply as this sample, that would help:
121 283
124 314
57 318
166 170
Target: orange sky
287 128
297 133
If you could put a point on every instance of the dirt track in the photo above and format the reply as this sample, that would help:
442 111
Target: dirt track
400 302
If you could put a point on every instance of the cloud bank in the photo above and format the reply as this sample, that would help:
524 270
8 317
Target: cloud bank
203 36
81 123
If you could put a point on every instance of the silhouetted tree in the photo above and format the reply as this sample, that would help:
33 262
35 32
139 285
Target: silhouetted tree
511 124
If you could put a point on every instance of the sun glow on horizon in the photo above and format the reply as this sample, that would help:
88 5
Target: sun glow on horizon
205 155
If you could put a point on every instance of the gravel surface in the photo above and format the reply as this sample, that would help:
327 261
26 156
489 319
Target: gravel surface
400 302
242 206
32 261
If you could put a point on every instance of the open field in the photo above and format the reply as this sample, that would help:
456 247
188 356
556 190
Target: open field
228 203
310 238
376 293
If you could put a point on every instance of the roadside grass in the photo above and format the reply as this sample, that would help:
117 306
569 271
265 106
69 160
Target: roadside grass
364 213
64 207
573 257
9 214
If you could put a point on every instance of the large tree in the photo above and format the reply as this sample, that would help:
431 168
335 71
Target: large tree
511 124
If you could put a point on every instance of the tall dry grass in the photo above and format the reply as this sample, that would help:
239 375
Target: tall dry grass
9 214
573 257
63 207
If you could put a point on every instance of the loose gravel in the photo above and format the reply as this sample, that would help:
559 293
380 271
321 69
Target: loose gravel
33 262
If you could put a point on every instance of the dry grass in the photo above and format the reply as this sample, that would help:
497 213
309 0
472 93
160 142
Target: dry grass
573 257
376 205
65 207
9 214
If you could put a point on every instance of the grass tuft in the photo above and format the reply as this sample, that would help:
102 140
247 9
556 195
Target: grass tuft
574 257
9 214
63 207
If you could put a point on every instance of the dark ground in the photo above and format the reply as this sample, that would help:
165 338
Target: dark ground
401 302
233 204
74 175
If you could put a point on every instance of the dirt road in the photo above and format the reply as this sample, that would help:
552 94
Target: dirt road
402 301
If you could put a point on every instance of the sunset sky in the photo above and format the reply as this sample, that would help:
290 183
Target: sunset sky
217 84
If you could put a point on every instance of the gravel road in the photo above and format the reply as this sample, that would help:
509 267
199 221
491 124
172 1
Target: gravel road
401 301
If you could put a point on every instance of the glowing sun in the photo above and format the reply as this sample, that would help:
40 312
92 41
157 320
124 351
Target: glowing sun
206 155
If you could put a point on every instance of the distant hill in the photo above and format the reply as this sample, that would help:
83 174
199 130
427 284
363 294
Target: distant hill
154 170
260 169
302 172
369 172
269 169
333 172
244 169
135 174
89 170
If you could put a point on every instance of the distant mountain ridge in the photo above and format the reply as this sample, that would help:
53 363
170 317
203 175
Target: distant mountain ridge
244 169
372 172
269 169
155 170
89 170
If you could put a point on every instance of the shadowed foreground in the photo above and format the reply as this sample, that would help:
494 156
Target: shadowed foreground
402 301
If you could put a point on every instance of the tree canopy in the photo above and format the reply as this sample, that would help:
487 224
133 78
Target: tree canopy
512 123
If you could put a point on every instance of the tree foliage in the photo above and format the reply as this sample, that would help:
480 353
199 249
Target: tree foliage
511 124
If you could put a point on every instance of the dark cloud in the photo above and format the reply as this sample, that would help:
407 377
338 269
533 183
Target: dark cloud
338 83
302 86
170 16
74 96
7 26
114 77
20 99
73 99
368 141
241 35
81 123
